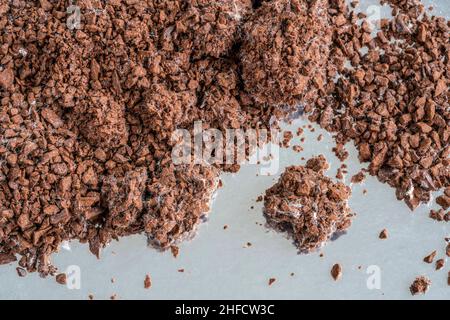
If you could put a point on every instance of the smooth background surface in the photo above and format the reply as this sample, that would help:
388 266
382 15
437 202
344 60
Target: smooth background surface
219 265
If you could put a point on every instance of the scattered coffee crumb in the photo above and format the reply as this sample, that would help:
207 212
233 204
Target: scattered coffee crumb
61 278
430 257
440 264
271 281
320 137
336 272
359 177
225 227
292 274
113 280
113 297
384 234
181 270
147 282
448 278
297 148
259 199
91 296
287 137
447 250
420 285
339 174
175 251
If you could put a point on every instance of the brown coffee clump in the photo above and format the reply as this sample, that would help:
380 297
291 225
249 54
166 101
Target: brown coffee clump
310 207
420 285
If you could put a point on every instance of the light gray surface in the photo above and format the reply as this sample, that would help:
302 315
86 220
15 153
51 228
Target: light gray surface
218 265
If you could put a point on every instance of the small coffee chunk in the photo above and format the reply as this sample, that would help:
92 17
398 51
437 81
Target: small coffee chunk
61 278
147 282
336 272
384 234
430 257
440 264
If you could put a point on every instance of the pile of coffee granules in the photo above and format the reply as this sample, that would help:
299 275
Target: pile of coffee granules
87 113
307 205
393 100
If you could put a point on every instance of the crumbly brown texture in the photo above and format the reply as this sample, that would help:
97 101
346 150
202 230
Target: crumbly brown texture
310 207
285 49
358 178
86 115
396 113
440 215
420 285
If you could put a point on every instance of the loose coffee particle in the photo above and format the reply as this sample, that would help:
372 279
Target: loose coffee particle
384 234
271 281
175 250
147 282
336 272
440 264
359 177
430 257
61 278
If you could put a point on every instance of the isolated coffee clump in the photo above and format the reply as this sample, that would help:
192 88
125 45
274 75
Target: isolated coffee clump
307 205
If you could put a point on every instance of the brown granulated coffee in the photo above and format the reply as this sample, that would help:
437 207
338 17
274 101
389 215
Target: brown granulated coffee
87 111
310 207
396 114
285 48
